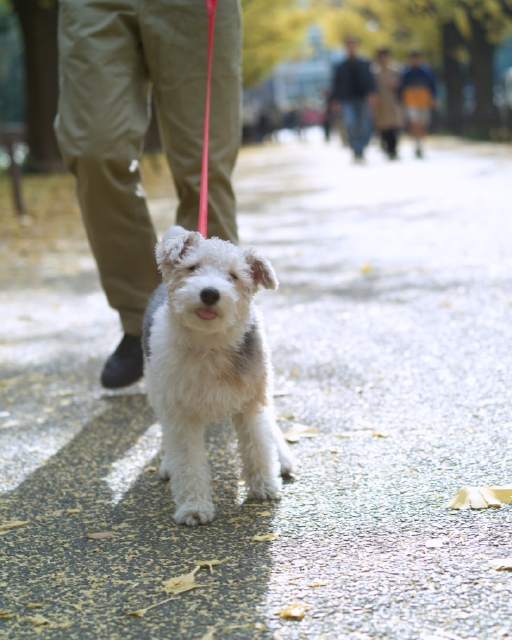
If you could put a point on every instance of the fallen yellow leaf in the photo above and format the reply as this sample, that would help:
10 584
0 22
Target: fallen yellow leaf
293 611
150 470
266 537
72 511
264 514
299 431
7 615
14 523
99 535
180 584
366 267
501 564
380 434
319 583
140 613
38 620
209 564
34 605
480 497
285 416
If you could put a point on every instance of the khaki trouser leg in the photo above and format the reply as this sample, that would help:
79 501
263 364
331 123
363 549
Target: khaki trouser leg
174 36
103 116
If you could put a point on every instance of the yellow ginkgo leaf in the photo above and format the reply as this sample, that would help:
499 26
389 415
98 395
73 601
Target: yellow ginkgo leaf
480 497
208 563
319 583
13 524
299 431
266 537
180 584
293 611
38 620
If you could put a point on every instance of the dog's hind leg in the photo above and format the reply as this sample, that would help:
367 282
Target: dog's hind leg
186 463
256 443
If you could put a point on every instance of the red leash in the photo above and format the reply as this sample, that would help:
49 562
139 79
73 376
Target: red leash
202 225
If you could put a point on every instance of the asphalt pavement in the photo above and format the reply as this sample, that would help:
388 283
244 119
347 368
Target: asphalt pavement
391 335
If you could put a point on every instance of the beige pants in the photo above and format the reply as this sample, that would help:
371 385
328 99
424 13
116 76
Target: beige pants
111 52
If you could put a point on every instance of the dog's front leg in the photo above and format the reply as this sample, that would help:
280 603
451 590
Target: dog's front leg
260 467
186 463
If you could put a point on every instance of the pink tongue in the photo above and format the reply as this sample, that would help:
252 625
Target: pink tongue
206 315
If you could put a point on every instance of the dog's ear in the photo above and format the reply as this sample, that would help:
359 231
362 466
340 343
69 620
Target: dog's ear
261 270
171 250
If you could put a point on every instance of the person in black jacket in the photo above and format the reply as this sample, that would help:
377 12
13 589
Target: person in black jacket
353 92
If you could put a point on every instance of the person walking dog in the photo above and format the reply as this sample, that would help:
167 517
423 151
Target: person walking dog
353 92
111 53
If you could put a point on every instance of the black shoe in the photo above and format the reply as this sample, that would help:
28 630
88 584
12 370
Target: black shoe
125 366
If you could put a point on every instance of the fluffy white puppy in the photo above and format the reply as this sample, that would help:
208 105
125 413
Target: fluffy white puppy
207 359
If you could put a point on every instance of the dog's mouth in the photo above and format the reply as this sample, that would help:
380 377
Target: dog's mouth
206 314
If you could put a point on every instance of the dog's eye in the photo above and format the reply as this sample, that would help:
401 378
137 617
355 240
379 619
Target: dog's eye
234 276
193 267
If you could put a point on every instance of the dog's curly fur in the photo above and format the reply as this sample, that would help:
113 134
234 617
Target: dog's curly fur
207 359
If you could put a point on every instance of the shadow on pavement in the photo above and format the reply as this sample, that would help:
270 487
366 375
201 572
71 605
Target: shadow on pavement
86 588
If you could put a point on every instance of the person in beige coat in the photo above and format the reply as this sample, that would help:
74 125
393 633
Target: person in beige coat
387 110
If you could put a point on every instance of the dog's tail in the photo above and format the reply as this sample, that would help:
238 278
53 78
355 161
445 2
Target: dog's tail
172 231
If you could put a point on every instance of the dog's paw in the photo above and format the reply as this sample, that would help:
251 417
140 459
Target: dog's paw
194 513
164 471
264 489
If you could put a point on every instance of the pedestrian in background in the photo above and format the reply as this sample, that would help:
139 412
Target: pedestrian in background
387 111
353 92
110 55
418 93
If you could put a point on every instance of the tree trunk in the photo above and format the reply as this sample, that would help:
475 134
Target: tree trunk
38 23
453 77
485 115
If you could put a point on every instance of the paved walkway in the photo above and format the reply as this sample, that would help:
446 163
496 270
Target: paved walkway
394 317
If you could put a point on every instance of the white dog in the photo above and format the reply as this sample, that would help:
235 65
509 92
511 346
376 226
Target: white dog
207 359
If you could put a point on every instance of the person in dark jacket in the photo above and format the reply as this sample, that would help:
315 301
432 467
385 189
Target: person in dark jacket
418 93
353 91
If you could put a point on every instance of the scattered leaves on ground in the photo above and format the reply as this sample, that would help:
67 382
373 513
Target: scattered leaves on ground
99 535
266 537
480 497
299 431
501 564
293 611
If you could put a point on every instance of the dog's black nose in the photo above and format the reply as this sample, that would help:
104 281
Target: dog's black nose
210 296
